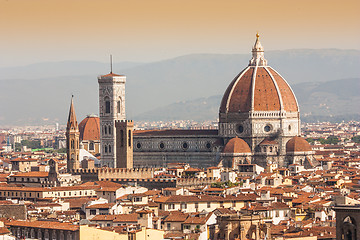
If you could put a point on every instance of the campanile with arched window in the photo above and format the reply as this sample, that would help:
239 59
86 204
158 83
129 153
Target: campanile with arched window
111 109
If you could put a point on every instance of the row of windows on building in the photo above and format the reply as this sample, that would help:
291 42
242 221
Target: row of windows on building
108 149
107 130
30 194
184 205
72 144
20 194
108 105
266 149
28 179
184 145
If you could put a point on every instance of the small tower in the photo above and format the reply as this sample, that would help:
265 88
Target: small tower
112 108
124 144
53 173
72 140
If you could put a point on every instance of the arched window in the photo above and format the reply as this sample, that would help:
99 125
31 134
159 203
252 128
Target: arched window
118 106
105 149
121 138
109 129
129 138
105 130
107 105
91 146
72 144
109 148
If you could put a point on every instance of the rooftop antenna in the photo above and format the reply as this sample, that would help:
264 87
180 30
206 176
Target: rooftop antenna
111 63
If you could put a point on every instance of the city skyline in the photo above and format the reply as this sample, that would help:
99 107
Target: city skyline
216 120
141 31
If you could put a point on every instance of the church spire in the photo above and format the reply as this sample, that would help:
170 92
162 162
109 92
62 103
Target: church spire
72 123
258 54
72 140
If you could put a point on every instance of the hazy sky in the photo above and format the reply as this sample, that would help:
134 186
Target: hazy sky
148 30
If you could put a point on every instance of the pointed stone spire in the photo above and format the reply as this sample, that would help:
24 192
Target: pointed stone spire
72 140
258 54
72 123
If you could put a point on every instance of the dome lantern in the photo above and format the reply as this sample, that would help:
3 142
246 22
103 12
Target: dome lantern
258 58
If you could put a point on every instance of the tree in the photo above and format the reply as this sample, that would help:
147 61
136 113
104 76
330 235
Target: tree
18 147
61 150
332 140
310 140
31 143
356 139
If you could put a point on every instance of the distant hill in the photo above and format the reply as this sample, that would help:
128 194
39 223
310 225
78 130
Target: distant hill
53 70
326 101
40 93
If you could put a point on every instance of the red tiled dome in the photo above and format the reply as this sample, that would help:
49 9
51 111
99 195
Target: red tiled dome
270 92
298 144
258 87
90 128
236 145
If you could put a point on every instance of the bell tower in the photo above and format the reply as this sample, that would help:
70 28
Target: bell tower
111 109
72 140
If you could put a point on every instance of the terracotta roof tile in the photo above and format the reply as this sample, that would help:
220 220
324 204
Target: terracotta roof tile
112 75
45 225
101 205
176 216
298 144
236 145
31 174
90 128
238 96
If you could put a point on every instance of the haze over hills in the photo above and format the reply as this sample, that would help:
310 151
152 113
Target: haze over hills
331 100
40 93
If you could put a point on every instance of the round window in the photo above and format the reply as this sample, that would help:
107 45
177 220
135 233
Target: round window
185 145
138 145
289 127
208 145
162 145
240 128
267 128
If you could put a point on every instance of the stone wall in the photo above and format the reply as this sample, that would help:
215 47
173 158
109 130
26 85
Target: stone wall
154 183
123 173
162 159
87 175
15 211
195 182
113 174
